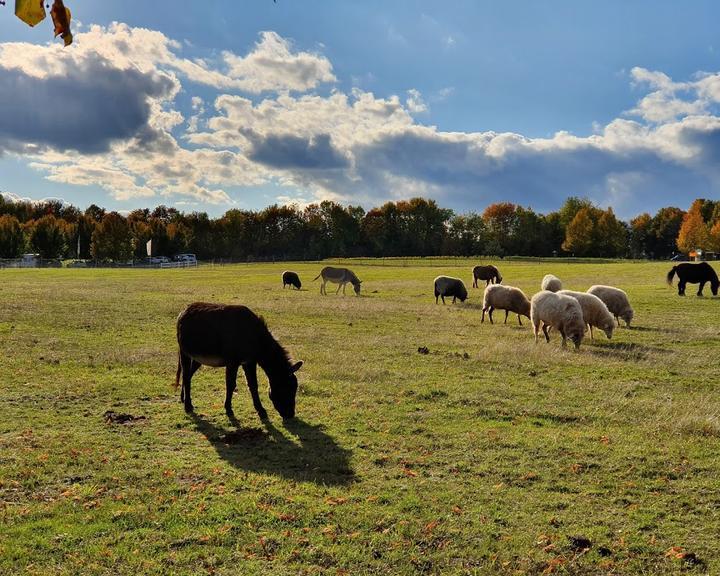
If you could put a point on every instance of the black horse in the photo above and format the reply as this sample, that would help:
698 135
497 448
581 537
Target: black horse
695 274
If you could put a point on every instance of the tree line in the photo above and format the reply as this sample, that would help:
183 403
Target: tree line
415 227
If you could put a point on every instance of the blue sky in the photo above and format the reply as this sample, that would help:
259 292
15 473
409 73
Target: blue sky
243 104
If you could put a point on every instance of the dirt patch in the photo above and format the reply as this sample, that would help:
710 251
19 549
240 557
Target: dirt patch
112 417
243 435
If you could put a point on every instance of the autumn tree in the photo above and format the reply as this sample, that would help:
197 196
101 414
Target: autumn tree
112 239
694 232
500 220
46 237
664 230
580 233
609 236
12 239
640 236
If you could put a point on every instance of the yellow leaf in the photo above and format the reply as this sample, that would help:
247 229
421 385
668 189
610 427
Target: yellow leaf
31 12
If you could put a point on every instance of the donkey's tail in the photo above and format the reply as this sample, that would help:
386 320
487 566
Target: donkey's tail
179 371
316 277
671 274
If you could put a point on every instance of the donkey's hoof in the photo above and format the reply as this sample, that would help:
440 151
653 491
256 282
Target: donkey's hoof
189 408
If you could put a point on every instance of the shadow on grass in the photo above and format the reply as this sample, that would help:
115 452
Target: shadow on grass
624 350
308 454
652 329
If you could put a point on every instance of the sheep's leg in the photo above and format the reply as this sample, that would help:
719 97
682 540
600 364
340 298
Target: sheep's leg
591 333
535 331
506 315
564 338
519 320
490 314
545 331
482 318
618 321
474 282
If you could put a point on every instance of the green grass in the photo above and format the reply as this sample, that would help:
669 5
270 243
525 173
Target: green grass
485 456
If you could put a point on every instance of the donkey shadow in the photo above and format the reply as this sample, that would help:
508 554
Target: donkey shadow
308 454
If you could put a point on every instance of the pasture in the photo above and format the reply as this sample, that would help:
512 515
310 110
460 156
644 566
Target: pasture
483 454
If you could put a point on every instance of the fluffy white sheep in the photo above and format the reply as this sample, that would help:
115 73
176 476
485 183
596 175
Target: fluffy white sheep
550 282
548 309
616 300
595 313
449 286
508 298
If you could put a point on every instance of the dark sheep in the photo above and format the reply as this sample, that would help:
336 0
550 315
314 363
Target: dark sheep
291 279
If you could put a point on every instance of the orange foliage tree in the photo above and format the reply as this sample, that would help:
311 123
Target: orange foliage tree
694 232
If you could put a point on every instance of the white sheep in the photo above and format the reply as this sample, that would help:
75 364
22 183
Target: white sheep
616 300
595 313
558 311
550 282
508 298
449 286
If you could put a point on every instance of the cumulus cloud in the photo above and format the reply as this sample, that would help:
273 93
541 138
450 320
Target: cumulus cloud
116 122
273 66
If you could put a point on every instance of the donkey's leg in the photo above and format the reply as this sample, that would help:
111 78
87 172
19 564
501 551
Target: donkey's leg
681 288
702 285
231 371
338 290
474 282
251 377
195 366
187 372
322 288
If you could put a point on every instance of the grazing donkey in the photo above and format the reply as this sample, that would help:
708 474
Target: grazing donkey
489 273
233 336
292 279
339 276
694 274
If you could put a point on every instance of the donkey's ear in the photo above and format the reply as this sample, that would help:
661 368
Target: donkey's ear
295 367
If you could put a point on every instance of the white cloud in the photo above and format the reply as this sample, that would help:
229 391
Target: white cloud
415 103
355 147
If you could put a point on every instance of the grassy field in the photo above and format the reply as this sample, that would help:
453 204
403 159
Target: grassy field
488 455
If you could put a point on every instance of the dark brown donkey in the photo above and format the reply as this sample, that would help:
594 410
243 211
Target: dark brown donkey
233 336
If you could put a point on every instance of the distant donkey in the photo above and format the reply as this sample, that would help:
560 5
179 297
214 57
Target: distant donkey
341 276
489 273
233 336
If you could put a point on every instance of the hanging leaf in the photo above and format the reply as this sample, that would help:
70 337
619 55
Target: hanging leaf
61 20
31 12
